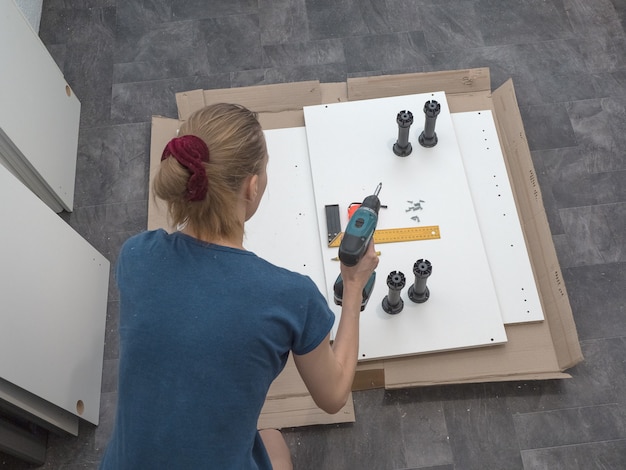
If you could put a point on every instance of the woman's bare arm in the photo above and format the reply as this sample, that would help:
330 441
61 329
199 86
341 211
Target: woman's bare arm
328 371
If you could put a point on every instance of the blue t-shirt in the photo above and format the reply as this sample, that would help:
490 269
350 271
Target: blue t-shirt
204 330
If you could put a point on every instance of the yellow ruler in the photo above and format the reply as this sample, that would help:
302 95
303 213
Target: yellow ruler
394 235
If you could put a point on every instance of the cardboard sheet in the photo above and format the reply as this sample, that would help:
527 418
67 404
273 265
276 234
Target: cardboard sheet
534 351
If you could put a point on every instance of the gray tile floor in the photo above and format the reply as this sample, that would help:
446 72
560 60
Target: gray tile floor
125 60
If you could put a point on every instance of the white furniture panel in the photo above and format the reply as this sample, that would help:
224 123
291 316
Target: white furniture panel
350 148
52 306
284 230
32 11
39 114
497 216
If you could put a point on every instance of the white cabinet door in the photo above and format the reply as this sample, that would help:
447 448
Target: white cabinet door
39 114
53 300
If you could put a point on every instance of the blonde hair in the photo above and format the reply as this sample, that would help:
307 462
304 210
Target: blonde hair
236 150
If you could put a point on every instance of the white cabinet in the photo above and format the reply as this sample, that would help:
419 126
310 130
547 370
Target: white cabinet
53 299
39 114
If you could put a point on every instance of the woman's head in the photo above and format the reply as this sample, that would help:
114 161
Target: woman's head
202 183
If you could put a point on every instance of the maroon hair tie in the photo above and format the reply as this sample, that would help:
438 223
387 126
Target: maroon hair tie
191 152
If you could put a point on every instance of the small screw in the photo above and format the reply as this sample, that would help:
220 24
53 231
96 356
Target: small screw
416 206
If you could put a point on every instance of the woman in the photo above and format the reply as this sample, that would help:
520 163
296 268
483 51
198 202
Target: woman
206 326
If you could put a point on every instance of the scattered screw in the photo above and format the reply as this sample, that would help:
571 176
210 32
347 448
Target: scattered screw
416 206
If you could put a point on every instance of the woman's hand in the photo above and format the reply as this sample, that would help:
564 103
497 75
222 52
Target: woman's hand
355 277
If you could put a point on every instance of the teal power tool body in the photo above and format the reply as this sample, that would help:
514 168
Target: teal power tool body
355 240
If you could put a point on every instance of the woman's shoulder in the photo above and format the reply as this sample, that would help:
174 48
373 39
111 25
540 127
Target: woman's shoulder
144 239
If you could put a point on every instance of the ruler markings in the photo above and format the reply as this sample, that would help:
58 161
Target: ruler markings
394 235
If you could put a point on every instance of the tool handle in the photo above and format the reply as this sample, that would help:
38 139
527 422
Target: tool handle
357 236
367 290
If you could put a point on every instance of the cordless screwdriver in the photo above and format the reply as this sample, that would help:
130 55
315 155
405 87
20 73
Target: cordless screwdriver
356 239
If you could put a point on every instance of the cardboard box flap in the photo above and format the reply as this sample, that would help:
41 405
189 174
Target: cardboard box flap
452 82
517 377
334 92
293 411
289 404
461 103
528 351
188 102
261 98
282 120
541 250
